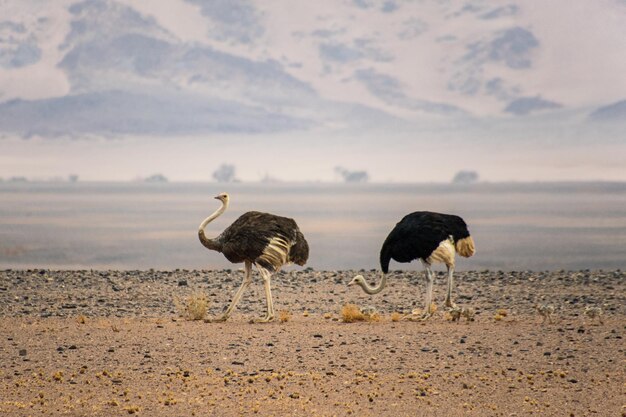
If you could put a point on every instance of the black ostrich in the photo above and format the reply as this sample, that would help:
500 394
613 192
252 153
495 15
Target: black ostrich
265 240
429 237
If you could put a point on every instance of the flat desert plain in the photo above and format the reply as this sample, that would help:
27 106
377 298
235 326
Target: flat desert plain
103 343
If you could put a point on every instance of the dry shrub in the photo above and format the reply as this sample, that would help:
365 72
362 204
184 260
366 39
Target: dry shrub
351 313
328 316
284 316
395 316
372 318
81 319
502 312
194 307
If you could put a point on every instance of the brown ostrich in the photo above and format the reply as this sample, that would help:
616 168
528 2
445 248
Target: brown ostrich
265 240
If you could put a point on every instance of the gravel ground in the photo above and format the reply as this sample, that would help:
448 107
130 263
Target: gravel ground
115 343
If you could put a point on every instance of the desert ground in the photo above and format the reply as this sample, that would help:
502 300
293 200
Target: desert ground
103 343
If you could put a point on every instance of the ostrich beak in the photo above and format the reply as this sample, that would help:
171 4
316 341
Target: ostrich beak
217 197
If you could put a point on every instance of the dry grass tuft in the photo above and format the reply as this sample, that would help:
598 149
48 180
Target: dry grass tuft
284 316
81 319
395 316
351 313
194 307
502 312
328 316
372 318
131 409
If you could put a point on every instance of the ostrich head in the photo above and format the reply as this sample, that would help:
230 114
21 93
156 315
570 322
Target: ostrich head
358 280
223 197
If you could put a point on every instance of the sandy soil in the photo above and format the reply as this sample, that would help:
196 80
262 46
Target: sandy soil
101 343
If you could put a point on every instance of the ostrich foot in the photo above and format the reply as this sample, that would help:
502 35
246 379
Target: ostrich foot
416 316
220 319
450 304
265 319
426 315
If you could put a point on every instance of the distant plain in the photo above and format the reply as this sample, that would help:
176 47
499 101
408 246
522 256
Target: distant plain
516 226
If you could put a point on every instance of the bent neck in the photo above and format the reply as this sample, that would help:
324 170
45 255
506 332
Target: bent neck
376 289
211 244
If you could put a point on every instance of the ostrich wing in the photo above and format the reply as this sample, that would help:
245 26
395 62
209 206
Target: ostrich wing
249 236
418 234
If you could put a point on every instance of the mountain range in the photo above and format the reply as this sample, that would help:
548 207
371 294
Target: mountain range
185 67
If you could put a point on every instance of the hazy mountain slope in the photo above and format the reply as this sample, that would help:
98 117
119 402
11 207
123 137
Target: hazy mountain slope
193 66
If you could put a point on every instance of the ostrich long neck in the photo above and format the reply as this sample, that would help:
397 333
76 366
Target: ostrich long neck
378 288
211 243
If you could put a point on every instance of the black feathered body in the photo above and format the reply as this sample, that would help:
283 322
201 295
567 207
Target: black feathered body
418 235
265 239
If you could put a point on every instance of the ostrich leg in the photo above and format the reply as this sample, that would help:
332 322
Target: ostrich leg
268 295
247 279
449 302
429 291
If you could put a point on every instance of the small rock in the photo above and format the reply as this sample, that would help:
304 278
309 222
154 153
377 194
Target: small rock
22 352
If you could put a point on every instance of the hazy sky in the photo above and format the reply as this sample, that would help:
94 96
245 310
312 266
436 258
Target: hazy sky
407 91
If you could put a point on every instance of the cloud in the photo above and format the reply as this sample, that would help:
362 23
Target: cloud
611 112
385 6
332 52
498 88
511 48
237 21
503 11
526 105
389 90
412 28
18 48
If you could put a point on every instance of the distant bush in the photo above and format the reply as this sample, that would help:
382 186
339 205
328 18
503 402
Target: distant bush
225 173
352 176
465 177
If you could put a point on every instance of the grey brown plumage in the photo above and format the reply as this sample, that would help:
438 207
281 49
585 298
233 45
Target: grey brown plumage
263 239
255 238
